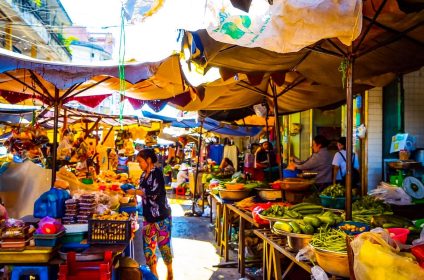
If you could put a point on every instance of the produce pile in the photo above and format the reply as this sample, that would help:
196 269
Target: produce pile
366 207
330 239
336 190
304 218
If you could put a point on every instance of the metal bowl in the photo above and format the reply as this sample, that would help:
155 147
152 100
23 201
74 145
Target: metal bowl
296 184
295 241
269 194
234 195
335 263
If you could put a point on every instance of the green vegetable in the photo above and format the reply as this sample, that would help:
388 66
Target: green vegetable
330 239
336 190
312 220
295 226
306 229
327 220
283 226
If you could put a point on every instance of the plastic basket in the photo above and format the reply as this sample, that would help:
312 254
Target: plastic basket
109 232
48 240
73 237
333 202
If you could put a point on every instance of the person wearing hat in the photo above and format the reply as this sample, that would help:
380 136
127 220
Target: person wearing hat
182 175
264 158
319 161
339 164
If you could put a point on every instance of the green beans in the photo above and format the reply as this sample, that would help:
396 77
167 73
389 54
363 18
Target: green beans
330 239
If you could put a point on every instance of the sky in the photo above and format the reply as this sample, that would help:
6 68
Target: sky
94 13
144 42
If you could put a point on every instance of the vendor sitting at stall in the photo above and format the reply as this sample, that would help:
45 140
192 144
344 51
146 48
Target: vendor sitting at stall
226 167
320 161
182 176
265 162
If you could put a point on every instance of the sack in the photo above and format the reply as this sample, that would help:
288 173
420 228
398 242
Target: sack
375 259
51 203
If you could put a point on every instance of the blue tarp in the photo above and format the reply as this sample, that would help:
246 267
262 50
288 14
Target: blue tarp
209 125
11 115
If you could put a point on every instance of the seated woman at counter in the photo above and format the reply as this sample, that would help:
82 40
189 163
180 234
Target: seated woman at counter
227 166
320 161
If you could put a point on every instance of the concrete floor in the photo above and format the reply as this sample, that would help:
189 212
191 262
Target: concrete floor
194 248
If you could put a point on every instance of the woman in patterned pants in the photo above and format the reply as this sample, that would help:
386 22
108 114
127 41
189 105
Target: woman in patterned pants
156 211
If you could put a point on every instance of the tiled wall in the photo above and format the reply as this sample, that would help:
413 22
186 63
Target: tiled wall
413 85
375 136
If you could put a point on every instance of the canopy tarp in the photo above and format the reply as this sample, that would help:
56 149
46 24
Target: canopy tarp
26 78
209 125
391 43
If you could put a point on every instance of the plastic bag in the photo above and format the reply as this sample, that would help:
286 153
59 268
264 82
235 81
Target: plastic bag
147 274
51 203
375 259
420 240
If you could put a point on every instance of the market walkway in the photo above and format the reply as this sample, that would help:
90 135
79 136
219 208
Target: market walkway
194 250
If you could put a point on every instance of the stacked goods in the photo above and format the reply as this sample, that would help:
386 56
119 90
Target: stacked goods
87 205
71 211
366 207
16 234
109 229
246 203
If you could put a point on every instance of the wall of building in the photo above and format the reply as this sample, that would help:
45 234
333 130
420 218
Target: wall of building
413 84
375 137
305 134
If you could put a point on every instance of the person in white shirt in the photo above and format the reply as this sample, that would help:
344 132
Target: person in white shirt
339 162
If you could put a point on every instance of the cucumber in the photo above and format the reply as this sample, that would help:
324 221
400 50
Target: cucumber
326 220
292 214
305 206
312 220
283 226
296 227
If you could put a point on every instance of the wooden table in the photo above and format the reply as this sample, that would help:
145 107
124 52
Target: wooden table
274 249
244 216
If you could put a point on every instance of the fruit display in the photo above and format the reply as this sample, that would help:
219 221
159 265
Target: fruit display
111 217
353 228
246 203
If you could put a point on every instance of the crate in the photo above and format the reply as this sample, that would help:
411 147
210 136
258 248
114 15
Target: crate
109 232
94 270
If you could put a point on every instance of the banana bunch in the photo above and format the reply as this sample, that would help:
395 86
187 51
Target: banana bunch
245 203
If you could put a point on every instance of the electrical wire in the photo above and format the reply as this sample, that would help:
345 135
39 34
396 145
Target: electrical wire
121 65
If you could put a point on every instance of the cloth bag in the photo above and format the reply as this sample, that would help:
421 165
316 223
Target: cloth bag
375 259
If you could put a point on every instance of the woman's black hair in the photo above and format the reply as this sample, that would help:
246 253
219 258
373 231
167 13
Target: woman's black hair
228 161
321 140
342 140
148 153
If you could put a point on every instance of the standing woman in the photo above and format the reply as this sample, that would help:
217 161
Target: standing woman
156 211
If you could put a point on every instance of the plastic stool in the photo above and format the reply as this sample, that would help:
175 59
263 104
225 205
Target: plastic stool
41 271
180 191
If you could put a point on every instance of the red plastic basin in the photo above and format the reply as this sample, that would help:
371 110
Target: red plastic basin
399 234
418 252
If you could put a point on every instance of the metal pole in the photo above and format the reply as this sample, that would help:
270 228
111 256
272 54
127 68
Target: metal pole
55 131
277 130
199 146
349 136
